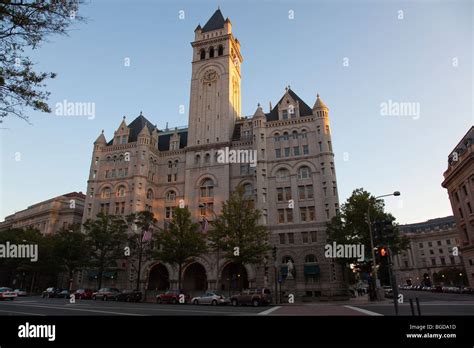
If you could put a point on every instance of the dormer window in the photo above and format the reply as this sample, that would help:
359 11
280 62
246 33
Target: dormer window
284 114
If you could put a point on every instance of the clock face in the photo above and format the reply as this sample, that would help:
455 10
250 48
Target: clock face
210 75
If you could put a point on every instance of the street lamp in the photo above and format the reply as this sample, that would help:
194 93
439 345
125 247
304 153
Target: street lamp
204 205
374 267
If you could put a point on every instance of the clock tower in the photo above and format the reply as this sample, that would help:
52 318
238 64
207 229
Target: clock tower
215 101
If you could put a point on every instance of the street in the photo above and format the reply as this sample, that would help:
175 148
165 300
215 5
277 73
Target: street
438 304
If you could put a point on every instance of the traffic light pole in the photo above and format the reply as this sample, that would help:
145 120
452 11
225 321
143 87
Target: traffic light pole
393 280
374 266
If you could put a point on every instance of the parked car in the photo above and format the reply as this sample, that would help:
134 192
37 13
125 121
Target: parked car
437 288
20 292
255 297
211 298
51 292
63 294
83 294
172 296
106 294
7 294
130 296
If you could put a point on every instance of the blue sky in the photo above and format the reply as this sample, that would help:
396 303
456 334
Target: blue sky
402 60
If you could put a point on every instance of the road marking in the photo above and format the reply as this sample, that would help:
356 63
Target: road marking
268 311
365 311
77 309
27 313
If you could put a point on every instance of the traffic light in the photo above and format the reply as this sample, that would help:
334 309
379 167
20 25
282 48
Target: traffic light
383 252
274 252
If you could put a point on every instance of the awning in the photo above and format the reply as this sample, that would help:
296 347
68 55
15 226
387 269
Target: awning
311 270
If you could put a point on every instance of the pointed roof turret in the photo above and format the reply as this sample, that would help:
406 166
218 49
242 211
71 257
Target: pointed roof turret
217 21
101 139
319 104
259 112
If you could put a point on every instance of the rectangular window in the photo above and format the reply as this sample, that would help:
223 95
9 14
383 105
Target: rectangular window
289 215
443 261
439 243
296 150
282 238
433 262
244 169
301 192
305 150
461 214
281 216
287 152
278 153
464 190
431 252
430 244
314 236
311 214
169 177
309 191
469 207
303 214
291 238
284 114
448 241
279 194
440 251
304 236
420 245
287 193
451 259
320 147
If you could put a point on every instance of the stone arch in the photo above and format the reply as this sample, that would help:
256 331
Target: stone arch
202 177
158 276
219 67
194 278
281 166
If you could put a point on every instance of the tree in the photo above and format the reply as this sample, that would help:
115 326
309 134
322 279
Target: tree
139 245
106 237
236 230
181 240
350 226
24 25
71 250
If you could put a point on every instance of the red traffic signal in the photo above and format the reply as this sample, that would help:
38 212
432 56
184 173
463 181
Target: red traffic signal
383 251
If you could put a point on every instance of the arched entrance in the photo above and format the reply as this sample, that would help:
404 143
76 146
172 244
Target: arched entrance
158 278
194 278
234 278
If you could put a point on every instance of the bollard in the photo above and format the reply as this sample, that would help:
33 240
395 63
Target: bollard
418 306
412 307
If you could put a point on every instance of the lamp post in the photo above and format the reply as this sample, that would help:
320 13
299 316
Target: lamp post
204 205
374 266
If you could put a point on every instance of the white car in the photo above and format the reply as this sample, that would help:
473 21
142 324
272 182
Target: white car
20 292
7 294
210 298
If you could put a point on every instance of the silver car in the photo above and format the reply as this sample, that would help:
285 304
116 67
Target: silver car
210 298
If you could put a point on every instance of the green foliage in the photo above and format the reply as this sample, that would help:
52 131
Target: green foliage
350 226
106 237
181 241
24 25
237 227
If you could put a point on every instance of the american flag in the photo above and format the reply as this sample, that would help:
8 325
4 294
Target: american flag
146 236
205 224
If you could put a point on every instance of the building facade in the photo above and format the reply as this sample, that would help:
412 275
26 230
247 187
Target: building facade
285 162
459 181
49 216
430 253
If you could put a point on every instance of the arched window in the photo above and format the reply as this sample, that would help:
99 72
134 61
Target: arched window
149 194
211 52
285 259
285 136
203 54
303 133
207 158
109 158
105 193
170 196
120 158
176 163
282 174
248 190
295 134
304 173
197 159
120 191
277 136
221 50
207 188
170 164
310 259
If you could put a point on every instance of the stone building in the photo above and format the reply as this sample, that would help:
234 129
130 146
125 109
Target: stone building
49 216
143 167
459 181
430 251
